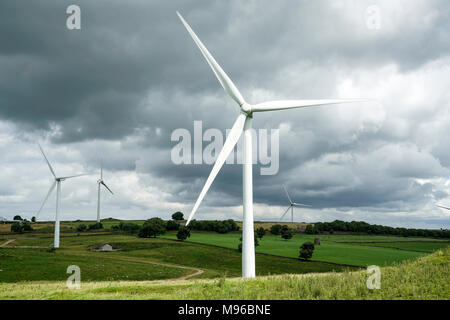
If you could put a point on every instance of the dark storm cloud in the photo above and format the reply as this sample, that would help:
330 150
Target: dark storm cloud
116 89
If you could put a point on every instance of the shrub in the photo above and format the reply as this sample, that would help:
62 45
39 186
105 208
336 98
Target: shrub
172 225
177 216
306 250
26 226
95 226
309 229
287 234
127 227
152 227
275 229
183 233
260 232
81 228
16 227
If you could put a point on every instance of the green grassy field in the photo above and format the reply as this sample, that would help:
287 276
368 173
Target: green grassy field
333 248
27 259
424 278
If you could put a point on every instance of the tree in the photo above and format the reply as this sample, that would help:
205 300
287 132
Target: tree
172 225
177 216
152 227
275 229
33 219
17 217
306 250
287 234
256 243
128 227
260 232
26 226
95 226
16 227
81 228
183 233
309 229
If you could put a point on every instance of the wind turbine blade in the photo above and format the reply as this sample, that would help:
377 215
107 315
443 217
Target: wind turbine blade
291 104
285 212
48 195
223 78
301 204
104 184
443 207
285 190
233 138
48 163
77 175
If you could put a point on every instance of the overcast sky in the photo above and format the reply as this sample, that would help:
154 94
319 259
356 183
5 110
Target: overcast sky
115 90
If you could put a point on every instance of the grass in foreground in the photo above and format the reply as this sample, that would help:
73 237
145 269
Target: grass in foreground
424 278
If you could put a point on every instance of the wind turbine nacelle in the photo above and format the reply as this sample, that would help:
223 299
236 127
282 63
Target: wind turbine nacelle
247 108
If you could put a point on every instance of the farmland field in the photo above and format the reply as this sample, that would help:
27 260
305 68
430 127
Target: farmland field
28 259
424 278
333 248
160 267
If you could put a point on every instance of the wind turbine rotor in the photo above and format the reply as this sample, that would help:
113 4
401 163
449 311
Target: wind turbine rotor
104 184
232 139
52 187
287 210
223 78
287 194
301 204
48 163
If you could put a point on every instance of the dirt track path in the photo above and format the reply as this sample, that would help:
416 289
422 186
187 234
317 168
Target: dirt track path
186 277
4 244
196 273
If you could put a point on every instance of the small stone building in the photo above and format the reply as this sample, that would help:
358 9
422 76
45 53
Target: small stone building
317 241
105 247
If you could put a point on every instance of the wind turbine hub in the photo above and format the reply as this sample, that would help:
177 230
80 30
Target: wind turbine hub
247 109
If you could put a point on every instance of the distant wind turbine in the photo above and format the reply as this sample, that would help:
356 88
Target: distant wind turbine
56 183
291 206
99 183
243 125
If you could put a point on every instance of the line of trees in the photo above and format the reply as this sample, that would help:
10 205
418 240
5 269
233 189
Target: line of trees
224 226
364 227
156 226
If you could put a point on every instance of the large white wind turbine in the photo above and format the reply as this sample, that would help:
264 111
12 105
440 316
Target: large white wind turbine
243 125
99 183
446 208
291 206
56 183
